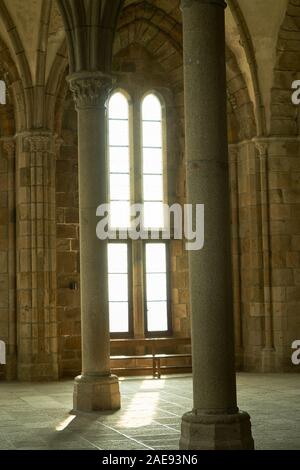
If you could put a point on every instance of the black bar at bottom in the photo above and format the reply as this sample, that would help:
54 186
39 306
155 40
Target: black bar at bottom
136 459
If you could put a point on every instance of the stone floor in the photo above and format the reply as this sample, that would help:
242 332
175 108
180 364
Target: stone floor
37 416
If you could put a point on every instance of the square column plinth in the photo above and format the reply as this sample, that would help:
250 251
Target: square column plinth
96 393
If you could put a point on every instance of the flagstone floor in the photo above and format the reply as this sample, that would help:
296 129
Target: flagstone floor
37 416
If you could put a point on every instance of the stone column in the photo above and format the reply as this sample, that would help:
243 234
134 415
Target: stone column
96 388
36 256
236 254
215 421
268 352
9 147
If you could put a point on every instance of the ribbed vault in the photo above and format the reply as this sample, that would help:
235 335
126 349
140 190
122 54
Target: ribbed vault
89 27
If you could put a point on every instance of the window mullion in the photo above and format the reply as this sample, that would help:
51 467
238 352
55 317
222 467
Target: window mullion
137 246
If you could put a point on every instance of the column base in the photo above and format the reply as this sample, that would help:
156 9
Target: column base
96 393
216 432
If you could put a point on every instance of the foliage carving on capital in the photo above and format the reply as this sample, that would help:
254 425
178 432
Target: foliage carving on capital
90 90
9 148
39 143
262 148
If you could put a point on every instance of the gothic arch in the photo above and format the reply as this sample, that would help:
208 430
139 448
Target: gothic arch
239 102
246 42
56 88
40 72
159 31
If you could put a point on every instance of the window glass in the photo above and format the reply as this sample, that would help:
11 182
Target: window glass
152 143
156 287
118 287
119 161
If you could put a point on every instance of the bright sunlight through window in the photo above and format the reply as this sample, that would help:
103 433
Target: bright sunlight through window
118 287
153 186
156 287
148 188
119 161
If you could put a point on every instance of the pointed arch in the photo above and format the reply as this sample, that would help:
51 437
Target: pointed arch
246 41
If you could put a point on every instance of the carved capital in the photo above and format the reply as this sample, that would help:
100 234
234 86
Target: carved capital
262 147
90 90
39 143
189 3
9 148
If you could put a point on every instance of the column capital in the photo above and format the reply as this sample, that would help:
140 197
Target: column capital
39 142
189 3
262 147
90 89
9 147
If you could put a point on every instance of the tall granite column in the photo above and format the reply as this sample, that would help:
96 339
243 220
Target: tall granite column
268 352
215 421
96 388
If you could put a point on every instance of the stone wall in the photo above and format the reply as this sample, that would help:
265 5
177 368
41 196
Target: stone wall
287 69
284 167
67 242
249 300
282 291
4 249
7 241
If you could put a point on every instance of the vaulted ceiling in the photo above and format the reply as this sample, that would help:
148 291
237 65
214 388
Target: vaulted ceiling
34 32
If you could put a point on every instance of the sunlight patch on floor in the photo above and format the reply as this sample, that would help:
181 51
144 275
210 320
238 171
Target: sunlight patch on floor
65 423
141 410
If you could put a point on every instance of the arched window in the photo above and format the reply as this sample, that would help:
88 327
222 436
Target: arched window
127 185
